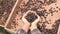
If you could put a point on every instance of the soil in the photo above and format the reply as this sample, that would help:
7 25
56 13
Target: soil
11 25
48 10
5 9
50 31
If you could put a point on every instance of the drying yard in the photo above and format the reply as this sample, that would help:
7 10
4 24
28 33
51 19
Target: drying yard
11 12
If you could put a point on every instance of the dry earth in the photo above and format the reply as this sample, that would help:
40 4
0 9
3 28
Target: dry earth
49 22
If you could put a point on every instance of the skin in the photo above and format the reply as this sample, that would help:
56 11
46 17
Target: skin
27 26
34 24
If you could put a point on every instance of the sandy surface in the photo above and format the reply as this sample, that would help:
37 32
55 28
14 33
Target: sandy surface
56 15
16 23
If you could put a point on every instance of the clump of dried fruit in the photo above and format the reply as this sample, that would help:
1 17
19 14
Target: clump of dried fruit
31 17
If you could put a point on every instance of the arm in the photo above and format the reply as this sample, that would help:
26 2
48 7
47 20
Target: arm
25 27
24 30
35 31
33 28
21 31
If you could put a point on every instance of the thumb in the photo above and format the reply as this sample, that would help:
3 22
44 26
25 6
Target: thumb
36 21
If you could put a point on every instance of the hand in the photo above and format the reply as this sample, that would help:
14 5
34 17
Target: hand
24 19
36 21
34 24
26 23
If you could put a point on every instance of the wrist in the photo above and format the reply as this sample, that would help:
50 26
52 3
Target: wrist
27 24
26 27
33 27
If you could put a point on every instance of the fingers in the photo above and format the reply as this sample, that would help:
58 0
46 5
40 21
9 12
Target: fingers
25 20
38 18
36 21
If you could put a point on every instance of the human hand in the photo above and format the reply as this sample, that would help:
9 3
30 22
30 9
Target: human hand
34 24
24 19
26 23
24 16
36 21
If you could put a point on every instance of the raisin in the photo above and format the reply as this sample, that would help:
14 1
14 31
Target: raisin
31 17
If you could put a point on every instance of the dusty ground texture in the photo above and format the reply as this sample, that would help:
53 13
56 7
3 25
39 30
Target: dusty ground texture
48 10
5 9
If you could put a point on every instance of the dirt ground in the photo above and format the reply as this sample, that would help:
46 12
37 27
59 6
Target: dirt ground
50 21
49 18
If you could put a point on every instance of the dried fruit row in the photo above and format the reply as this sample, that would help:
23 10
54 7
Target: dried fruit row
5 9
